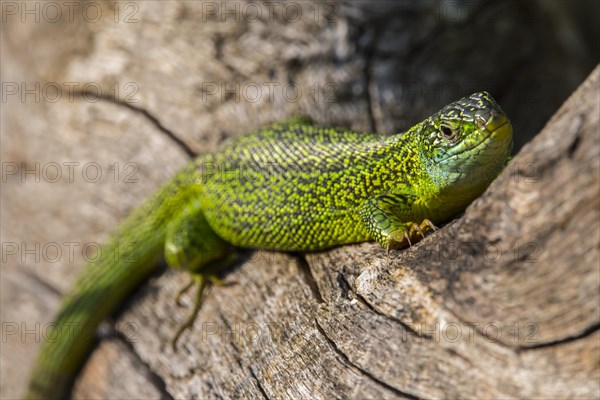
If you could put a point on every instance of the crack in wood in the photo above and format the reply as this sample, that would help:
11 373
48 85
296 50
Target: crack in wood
232 341
360 370
590 330
237 357
260 386
39 281
342 280
576 127
148 115
344 285
154 378
477 329
309 278
410 330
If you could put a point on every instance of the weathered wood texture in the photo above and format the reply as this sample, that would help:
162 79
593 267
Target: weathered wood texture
502 302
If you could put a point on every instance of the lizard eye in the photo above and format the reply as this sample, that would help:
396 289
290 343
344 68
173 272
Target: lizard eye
448 133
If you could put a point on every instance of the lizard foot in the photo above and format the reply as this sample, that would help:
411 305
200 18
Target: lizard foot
201 281
183 291
411 233
425 226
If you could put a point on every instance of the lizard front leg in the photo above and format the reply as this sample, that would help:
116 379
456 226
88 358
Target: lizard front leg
388 219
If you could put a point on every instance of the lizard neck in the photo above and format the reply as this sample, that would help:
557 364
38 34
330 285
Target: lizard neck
403 164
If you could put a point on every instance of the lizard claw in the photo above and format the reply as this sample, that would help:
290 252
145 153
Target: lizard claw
419 230
407 237
429 224
412 232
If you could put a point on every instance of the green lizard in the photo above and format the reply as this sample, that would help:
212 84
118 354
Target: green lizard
290 187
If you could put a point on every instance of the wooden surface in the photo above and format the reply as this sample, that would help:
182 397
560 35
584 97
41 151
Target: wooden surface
502 302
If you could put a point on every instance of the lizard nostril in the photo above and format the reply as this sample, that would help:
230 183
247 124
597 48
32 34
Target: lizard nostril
495 121
481 122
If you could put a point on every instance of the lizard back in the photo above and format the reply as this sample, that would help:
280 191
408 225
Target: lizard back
298 187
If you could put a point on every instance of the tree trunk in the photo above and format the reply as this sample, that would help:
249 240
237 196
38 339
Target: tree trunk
502 302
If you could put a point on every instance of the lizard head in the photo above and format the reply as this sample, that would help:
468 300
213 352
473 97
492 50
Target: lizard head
466 143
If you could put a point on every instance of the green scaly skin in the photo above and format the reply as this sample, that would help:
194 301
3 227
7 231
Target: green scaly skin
290 187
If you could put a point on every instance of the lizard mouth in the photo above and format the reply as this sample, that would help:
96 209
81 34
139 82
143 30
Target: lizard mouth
502 131
496 127
494 122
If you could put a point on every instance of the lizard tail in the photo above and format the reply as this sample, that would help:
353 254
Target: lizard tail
126 260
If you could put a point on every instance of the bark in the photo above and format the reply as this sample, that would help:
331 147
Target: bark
502 302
